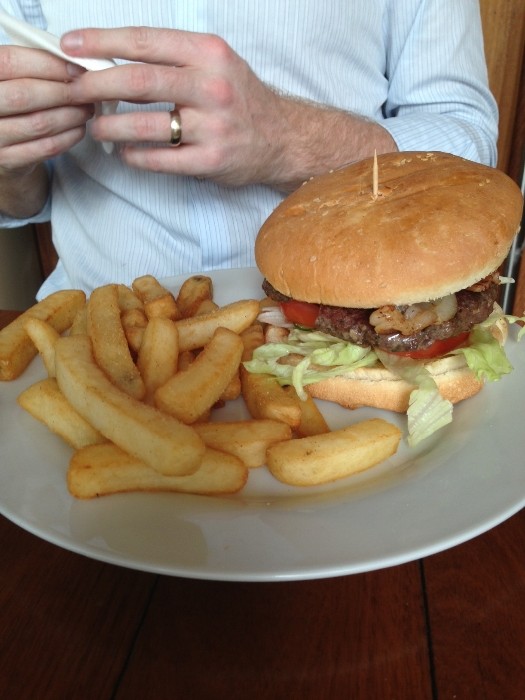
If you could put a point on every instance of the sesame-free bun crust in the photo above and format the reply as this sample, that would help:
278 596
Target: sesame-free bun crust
439 223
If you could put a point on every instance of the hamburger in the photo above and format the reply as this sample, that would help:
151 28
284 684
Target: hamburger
385 276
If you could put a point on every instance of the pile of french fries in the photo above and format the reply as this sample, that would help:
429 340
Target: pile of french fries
135 380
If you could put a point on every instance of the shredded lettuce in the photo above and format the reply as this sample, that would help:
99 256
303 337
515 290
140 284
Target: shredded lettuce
427 411
318 350
484 355
324 356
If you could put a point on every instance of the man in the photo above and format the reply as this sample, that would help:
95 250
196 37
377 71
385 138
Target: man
221 112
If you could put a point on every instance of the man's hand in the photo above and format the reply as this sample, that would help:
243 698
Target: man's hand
235 129
37 122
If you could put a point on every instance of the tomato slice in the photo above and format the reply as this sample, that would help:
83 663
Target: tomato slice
301 312
305 315
438 347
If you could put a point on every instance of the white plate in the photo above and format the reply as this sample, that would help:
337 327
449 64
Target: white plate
459 484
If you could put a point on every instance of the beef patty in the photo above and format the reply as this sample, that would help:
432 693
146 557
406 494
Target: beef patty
354 325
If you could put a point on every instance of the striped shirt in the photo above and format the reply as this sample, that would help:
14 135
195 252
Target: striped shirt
415 66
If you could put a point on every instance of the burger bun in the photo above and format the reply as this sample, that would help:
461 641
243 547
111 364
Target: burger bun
437 224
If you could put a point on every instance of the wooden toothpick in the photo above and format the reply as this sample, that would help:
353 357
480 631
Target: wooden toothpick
375 177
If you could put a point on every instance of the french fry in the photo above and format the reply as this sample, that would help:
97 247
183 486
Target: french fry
248 440
265 398
197 331
252 338
206 307
79 325
312 420
233 390
134 322
44 336
164 307
324 458
158 354
189 394
134 317
193 292
160 440
45 402
16 347
134 336
110 346
185 360
157 300
105 469
128 300
263 395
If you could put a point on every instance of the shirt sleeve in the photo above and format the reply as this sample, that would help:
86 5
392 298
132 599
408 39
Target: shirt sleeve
439 97
43 215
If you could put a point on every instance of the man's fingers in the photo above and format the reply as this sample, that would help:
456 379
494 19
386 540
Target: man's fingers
19 62
42 124
23 154
163 46
24 95
137 82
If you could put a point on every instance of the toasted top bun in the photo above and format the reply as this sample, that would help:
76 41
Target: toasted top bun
438 224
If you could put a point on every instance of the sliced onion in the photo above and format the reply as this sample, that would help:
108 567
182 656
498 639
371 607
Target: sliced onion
424 318
415 317
446 308
415 310
275 317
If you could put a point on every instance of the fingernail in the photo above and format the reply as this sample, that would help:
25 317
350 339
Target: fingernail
72 41
73 70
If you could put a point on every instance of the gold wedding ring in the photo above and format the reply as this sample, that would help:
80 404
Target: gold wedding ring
176 128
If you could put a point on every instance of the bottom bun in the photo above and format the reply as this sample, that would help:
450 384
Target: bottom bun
377 387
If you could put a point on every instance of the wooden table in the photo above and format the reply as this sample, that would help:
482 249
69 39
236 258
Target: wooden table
449 626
